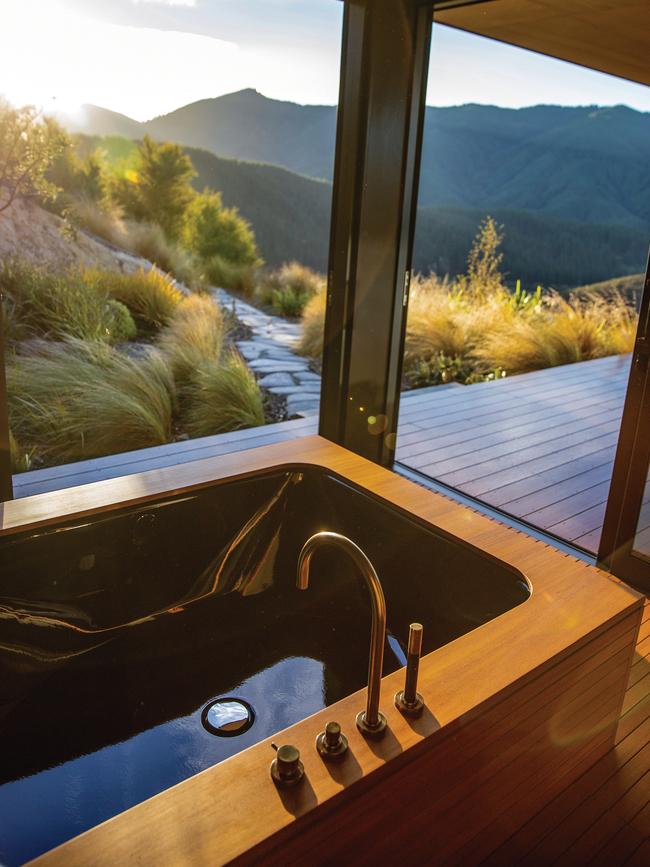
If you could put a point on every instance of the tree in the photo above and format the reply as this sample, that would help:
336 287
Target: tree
213 230
158 190
484 261
29 144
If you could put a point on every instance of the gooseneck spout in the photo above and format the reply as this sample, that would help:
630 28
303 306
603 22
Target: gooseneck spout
371 722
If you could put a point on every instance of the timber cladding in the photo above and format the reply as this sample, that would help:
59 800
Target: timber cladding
516 710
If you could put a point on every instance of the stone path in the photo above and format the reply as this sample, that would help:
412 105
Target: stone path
270 354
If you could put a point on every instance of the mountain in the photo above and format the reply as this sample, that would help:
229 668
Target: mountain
578 163
290 214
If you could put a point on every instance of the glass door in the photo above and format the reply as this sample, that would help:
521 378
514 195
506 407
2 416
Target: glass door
625 545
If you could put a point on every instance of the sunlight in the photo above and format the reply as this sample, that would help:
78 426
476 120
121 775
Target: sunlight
138 71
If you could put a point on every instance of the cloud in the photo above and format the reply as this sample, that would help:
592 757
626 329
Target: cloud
165 2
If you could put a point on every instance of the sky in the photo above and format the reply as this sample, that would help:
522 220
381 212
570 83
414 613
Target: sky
147 57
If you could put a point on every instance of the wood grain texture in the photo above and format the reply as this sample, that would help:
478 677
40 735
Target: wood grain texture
516 709
612 37
602 817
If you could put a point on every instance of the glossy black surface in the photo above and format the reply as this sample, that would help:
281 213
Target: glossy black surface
117 631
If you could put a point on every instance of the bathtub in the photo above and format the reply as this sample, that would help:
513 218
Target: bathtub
119 629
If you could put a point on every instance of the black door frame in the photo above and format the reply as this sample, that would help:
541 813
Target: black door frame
384 66
631 464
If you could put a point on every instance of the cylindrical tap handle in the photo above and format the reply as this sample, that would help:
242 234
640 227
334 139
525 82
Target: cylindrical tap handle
413 662
409 700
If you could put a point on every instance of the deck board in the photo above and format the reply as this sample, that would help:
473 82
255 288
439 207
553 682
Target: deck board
539 446
603 818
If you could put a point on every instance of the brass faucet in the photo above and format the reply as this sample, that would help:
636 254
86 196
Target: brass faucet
370 722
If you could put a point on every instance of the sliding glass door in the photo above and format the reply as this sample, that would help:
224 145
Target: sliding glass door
625 546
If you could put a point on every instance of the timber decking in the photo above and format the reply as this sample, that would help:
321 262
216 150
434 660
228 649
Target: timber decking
603 818
539 446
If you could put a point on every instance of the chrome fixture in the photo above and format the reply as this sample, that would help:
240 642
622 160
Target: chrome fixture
286 767
370 722
332 744
227 717
408 700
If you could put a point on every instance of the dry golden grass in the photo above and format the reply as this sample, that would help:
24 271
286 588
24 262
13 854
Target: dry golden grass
313 321
560 331
151 296
496 332
194 336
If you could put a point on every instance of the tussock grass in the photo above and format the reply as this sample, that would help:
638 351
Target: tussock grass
223 396
151 296
288 289
194 336
76 399
55 305
475 328
313 322
563 332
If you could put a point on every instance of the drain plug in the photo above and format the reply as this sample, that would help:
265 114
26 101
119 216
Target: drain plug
227 717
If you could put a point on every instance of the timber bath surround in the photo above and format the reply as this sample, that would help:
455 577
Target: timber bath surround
515 708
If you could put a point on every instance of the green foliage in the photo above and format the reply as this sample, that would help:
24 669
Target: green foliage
56 305
441 369
288 289
194 336
77 399
78 178
29 144
123 326
158 190
212 230
151 296
223 396
288 302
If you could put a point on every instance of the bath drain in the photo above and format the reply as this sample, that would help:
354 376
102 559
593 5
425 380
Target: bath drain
227 717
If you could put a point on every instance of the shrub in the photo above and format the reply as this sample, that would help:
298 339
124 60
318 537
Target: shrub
123 328
55 305
151 296
29 144
158 190
219 272
194 336
211 230
75 399
288 289
223 396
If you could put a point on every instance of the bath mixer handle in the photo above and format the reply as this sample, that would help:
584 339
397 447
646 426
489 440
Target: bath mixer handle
408 700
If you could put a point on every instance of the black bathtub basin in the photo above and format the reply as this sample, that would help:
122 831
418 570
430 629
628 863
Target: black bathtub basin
118 630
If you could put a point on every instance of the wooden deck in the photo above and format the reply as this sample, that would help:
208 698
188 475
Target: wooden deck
538 446
604 817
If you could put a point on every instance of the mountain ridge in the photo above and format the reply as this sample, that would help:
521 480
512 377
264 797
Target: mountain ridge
589 163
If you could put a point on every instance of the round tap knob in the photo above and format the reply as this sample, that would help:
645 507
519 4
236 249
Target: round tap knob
286 768
332 744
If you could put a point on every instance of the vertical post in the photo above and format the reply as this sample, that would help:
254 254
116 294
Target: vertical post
6 487
379 134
